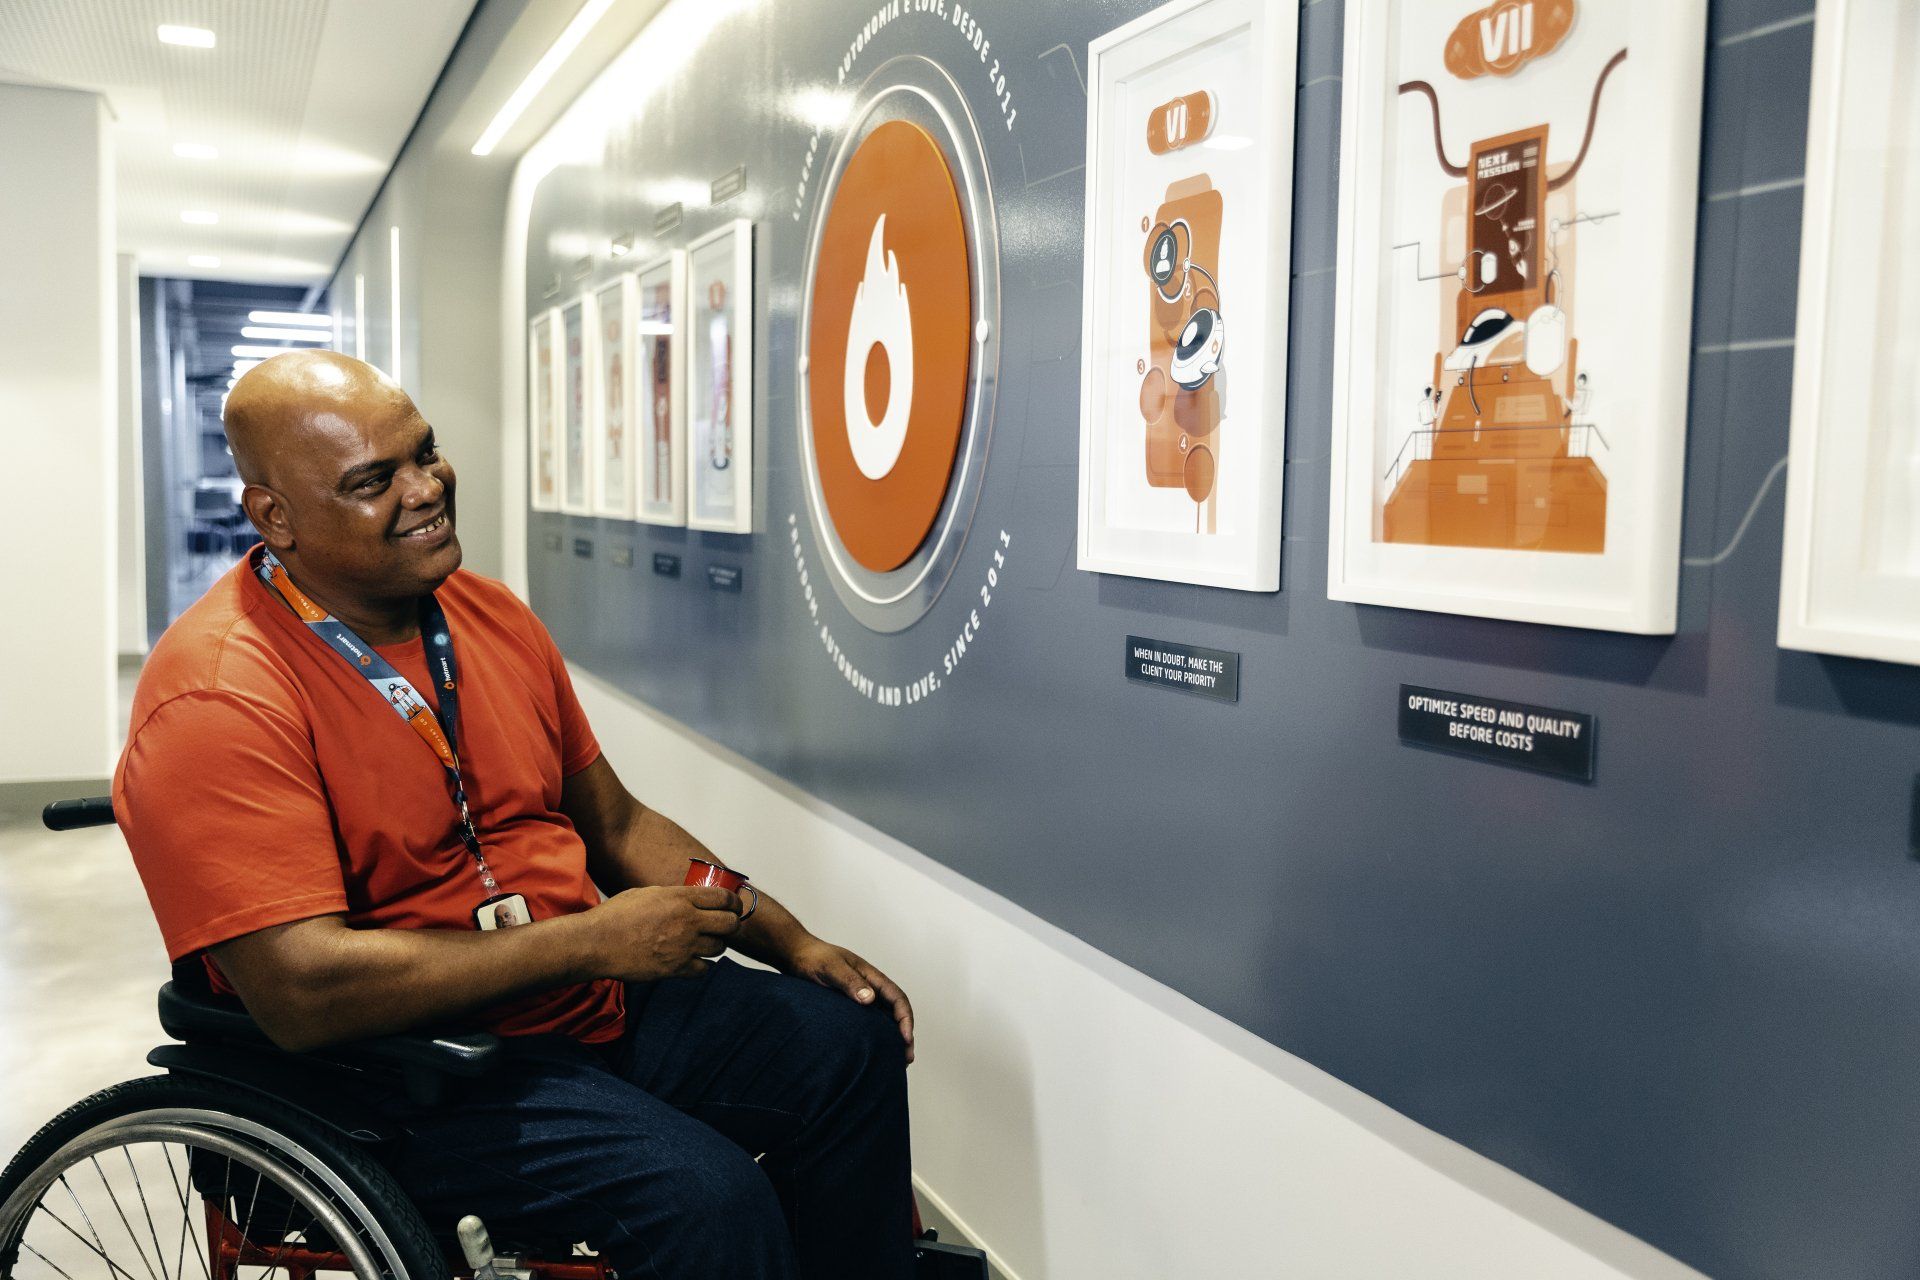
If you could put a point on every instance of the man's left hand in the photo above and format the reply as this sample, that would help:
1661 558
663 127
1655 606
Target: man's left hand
840 969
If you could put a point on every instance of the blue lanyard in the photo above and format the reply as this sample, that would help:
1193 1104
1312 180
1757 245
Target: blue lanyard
440 729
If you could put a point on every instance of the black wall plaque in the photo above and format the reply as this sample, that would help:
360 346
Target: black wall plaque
666 565
723 577
1515 733
1211 673
583 547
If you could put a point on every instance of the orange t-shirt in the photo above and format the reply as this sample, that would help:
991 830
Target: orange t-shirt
265 781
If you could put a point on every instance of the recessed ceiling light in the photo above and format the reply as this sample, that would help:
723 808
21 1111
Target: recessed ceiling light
206 261
291 317
543 70
270 334
199 217
195 151
191 37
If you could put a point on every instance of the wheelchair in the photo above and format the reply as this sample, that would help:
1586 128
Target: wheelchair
243 1160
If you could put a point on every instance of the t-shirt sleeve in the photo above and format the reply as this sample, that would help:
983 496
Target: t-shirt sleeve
222 805
578 747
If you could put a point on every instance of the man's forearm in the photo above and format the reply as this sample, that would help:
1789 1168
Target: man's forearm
356 983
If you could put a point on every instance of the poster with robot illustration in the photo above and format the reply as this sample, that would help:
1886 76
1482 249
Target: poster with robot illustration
1189 164
543 446
613 393
660 406
576 458
1517 192
719 379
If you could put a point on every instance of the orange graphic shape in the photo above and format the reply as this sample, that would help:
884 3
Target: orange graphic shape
898 173
1506 35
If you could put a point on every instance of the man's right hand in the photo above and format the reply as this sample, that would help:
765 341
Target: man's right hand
643 934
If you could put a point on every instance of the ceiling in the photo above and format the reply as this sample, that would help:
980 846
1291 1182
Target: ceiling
305 101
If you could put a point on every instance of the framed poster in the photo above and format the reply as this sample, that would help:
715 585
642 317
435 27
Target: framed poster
720 379
1184 342
1517 195
613 393
660 397
576 453
543 412
1850 573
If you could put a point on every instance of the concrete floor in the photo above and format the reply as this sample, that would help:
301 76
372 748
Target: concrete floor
80 965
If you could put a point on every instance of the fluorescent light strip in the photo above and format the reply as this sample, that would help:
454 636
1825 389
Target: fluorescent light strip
270 333
205 261
393 247
199 217
550 62
256 352
196 151
310 318
191 37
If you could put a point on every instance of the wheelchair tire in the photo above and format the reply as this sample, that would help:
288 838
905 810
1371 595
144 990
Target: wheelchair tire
335 1196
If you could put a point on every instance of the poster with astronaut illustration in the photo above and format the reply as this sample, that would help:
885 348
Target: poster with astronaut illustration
1189 179
660 404
576 453
1518 181
613 392
719 379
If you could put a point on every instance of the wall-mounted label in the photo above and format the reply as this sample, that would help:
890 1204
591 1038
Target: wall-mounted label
667 566
668 220
623 556
553 542
583 266
583 547
723 577
1515 733
729 184
1211 673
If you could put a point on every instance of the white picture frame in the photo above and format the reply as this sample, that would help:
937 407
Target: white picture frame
1190 131
719 363
614 398
1850 564
660 391
543 412
574 333
1552 496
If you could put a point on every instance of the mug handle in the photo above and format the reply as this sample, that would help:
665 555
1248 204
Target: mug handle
748 914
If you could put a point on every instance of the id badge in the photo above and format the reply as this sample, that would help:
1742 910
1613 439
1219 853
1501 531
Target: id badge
502 911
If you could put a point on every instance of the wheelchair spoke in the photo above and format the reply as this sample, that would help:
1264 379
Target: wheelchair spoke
280 1249
121 1213
159 1254
186 1219
44 1258
111 1264
99 1245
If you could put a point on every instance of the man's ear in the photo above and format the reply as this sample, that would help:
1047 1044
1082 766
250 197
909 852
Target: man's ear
270 516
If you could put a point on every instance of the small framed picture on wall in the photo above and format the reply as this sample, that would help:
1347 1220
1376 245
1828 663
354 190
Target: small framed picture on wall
719 379
576 403
1184 343
613 392
1514 307
660 445
543 412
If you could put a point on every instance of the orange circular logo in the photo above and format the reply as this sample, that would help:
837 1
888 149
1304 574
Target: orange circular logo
888 343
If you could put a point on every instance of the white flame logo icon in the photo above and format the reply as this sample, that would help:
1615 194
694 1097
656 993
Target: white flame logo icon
880 318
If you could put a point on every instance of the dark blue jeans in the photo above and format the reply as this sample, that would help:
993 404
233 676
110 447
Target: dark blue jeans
645 1148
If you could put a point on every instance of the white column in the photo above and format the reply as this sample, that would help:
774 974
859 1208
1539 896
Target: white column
59 575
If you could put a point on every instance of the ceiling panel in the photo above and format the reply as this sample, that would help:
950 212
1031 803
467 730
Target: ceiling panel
307 102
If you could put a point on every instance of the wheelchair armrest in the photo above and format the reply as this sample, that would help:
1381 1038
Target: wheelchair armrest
189 1015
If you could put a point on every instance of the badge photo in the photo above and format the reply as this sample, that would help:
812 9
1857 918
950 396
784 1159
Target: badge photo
502 911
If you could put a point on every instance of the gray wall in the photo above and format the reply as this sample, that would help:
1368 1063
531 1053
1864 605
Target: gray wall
1682 996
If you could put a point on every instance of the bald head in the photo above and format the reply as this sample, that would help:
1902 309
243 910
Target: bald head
284 409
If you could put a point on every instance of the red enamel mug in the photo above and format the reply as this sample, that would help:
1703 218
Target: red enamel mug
702 872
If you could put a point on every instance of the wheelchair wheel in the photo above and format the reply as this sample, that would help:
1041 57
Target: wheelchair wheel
172 1177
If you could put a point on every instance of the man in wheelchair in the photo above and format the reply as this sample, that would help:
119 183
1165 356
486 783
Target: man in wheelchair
329 843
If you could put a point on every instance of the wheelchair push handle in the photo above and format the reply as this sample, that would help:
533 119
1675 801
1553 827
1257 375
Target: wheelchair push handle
68 815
